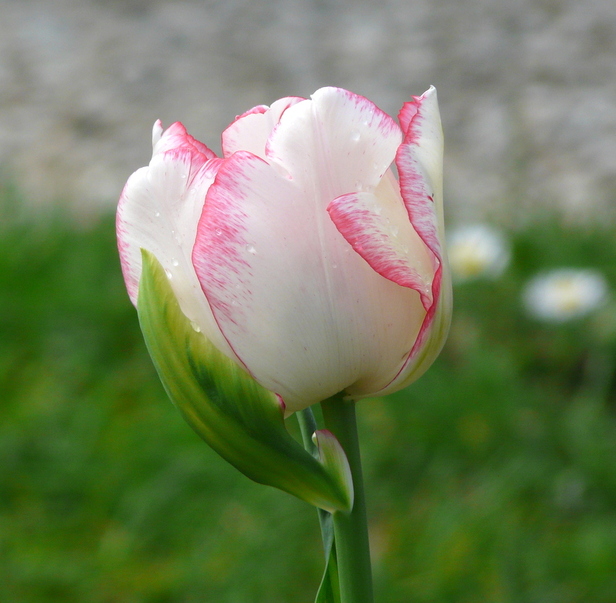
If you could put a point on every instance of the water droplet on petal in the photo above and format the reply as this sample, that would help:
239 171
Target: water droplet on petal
175 262
157 214
355 135
218 232
168 273
251 249
195 326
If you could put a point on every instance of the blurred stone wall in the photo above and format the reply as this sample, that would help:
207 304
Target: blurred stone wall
527 87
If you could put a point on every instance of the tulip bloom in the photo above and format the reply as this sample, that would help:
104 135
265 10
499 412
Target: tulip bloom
298 253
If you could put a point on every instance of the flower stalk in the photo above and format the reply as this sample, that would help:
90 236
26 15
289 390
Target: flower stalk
350 528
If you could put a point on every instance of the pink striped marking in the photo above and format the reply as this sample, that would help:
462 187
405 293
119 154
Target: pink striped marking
383 238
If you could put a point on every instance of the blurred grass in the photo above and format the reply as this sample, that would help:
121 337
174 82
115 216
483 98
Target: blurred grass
491 479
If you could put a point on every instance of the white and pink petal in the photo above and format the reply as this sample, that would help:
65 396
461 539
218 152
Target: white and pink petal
176 138
159 211
334 143
250 131
420 168
378 228
300 308
419 161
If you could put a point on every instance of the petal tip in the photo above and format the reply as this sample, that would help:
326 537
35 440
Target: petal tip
157 132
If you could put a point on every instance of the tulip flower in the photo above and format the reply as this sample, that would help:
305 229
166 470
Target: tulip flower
304 265
298 254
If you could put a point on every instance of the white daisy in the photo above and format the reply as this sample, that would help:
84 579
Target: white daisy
563 294
477 251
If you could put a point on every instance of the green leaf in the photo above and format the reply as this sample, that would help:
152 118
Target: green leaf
239 419
329 591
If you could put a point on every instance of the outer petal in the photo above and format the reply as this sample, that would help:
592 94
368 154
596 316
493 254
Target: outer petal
420 164
159 211
250 131
306 315
399 236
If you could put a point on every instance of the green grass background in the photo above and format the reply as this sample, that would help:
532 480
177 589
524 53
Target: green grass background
492 479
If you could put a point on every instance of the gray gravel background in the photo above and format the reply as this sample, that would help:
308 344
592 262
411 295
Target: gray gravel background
527 87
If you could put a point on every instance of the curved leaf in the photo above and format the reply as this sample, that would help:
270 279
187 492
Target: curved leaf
238 418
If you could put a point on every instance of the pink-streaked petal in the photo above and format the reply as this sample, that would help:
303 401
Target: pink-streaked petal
250 131
155 201
176 138
257 109
377 227
408 112
159 211
420 168
419 161
337 141
302 311
431 337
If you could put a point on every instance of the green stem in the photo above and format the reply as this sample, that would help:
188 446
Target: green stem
350 529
